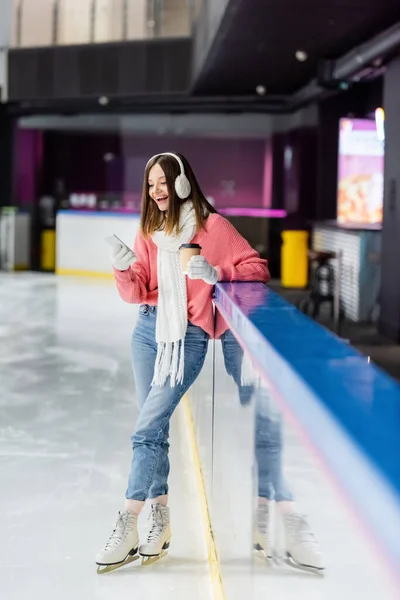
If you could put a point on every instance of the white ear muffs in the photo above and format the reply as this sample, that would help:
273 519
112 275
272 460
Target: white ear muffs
182 183
182 187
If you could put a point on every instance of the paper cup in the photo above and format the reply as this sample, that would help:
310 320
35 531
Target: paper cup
186 252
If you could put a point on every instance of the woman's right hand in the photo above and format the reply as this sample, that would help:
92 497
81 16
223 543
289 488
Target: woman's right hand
122 258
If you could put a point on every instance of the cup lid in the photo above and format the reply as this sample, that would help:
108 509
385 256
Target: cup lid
190 246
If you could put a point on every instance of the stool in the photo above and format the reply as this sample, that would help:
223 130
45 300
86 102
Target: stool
322 288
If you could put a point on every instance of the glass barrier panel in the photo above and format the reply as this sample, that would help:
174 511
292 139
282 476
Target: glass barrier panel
201 400
303 525
281 525
233 482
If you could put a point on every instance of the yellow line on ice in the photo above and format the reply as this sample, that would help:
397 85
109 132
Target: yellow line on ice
79 273
213 560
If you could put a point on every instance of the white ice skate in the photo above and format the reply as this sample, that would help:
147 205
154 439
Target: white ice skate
122 546
158 537
263 541
302 548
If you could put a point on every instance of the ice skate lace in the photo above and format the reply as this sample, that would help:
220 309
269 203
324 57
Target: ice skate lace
299 531
262 520
264 528
122 528
159 521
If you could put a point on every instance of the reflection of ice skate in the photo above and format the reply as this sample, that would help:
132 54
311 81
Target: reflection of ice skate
158 537
122 546
302 548
263 542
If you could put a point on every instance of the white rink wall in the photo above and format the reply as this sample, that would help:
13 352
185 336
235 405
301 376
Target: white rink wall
81 248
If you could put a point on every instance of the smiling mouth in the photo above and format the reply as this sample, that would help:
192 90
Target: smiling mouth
163 199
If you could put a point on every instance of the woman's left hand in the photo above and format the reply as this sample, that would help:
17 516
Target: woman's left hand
199 268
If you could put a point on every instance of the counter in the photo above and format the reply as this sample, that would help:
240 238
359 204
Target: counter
81 249
361 272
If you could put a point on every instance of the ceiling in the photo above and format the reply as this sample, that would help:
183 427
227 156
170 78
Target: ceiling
256 42
221 126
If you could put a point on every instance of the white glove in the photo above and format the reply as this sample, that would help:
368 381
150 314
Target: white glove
199 268
122 258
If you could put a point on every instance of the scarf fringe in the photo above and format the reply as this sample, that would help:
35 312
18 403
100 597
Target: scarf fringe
170 363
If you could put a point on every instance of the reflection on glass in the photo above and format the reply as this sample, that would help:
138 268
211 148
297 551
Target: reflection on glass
201 400
275 500
275 515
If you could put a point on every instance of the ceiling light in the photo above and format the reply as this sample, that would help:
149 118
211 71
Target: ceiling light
301 55
261 90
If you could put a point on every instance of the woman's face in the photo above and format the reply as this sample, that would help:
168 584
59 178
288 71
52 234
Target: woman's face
158 190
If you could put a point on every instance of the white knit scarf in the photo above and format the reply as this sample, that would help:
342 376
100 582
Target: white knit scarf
172 316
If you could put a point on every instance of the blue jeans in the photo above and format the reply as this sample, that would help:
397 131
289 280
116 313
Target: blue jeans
150 464
268 426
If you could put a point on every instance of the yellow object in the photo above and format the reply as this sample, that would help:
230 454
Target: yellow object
79 273
48 251
213 560
294 260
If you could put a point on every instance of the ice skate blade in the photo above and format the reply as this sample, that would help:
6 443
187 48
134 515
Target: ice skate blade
103 569
149 560
307 568
262 555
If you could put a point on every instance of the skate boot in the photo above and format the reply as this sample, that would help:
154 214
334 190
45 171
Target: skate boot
122 546
158 537
302 548
263 542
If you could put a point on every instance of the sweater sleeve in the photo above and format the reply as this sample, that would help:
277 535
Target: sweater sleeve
241 262
133 284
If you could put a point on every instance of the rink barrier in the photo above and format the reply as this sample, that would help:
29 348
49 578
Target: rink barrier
212 554
344 407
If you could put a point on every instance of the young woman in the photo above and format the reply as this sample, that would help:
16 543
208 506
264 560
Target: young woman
170 340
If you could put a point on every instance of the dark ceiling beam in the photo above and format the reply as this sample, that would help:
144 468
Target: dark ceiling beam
373 51
155 103
367 58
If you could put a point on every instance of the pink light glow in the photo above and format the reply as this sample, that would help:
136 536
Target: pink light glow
269 213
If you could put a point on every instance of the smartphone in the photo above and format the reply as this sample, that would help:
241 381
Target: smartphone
113 240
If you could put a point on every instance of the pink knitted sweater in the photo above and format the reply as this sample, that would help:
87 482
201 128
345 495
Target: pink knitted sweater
222 246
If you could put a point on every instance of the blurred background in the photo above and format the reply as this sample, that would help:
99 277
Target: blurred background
289 114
